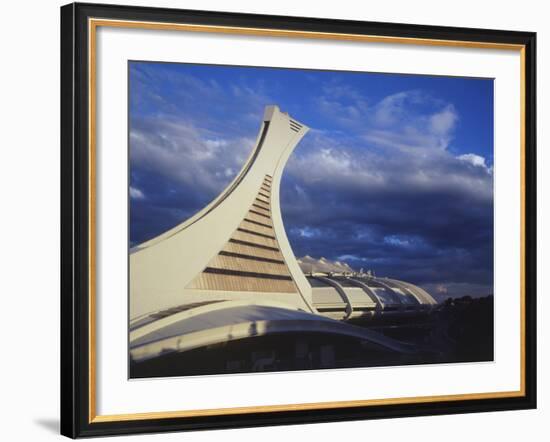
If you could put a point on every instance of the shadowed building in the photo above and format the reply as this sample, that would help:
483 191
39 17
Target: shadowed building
228 276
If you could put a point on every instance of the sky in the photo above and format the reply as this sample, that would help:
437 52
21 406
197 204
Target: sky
395 174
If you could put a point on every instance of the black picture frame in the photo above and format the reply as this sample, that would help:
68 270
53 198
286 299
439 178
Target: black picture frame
77 418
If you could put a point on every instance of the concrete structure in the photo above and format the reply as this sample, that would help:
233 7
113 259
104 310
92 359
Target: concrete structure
228 273
236 247
340 292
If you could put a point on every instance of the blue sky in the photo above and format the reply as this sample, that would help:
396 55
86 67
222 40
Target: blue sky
396 174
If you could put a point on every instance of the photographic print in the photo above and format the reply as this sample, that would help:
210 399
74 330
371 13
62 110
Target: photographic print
293 219
277 208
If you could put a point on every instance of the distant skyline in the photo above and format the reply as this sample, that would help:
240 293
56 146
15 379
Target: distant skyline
396 174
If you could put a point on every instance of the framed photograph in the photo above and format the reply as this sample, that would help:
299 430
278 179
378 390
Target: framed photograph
275 220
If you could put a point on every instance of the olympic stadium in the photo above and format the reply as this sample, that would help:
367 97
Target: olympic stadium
222 292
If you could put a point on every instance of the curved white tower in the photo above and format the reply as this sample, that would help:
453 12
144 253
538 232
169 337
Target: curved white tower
235 248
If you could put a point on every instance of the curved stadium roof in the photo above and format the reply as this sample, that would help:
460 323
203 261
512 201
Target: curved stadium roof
339 292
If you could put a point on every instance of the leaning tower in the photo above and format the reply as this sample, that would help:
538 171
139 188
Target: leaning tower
235 248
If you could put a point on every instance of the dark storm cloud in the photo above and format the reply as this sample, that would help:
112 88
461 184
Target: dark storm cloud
425 217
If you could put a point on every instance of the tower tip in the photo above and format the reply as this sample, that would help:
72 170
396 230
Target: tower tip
269 111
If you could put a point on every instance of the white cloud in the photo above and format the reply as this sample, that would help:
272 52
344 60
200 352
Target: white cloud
348 257
395 240
180 151
399 144
316 162
390 109
387 162
408 119
192 96
215 144
136 194
473 159
308 232
342 103
444 121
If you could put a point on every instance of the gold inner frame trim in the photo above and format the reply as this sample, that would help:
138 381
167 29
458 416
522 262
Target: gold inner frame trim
301 407
299 34
93 24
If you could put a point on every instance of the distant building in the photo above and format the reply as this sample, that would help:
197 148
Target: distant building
228 276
